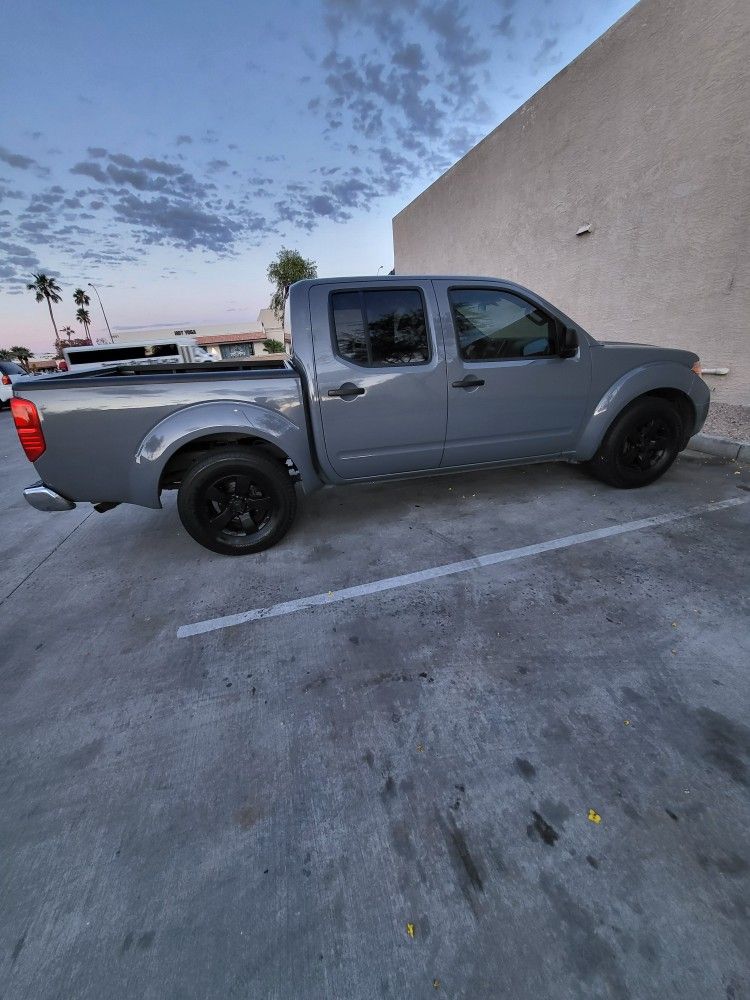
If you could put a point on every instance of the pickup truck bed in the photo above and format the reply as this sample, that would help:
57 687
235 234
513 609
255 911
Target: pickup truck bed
85 419
390 377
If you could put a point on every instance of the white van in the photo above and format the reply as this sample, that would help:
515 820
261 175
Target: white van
10 372
178 350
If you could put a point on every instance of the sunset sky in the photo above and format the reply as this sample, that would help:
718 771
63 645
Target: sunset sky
166 151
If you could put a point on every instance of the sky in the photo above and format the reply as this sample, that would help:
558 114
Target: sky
165 151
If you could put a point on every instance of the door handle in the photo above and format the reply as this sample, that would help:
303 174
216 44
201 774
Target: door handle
468 382
347 391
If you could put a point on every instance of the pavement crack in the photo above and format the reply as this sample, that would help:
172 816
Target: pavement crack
49 555
461 546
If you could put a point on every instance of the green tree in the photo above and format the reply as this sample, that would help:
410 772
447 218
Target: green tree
81 298
273 346
82 315
5 354
67 332
287 267
46 290
22 355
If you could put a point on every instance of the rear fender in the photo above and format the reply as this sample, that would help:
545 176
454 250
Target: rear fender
638 382
205 420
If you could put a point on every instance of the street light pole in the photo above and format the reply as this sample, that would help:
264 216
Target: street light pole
103 312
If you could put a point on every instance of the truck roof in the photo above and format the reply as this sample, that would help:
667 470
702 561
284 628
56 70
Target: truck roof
400 278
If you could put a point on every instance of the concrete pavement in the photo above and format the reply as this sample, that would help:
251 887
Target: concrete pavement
271 810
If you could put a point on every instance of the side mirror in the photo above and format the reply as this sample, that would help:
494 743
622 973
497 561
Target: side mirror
568 342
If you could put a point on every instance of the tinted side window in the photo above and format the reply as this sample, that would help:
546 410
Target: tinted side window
9 368
349 327
381 328
494 325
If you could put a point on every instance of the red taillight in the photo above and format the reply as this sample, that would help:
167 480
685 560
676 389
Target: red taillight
29 427
62 366
6 379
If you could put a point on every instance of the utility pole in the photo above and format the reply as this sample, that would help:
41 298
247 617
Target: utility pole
103 312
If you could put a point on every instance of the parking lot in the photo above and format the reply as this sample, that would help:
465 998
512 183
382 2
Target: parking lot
527 778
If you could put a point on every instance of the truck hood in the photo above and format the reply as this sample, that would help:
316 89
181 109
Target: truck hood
647 353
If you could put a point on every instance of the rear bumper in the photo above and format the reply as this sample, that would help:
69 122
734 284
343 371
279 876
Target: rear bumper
43 498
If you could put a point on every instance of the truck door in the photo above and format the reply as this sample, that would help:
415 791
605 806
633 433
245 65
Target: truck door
380 369
510 393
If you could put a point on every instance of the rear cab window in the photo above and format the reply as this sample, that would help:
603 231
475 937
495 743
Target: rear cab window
380 328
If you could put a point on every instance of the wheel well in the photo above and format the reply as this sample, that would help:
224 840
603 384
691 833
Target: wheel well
178 464
684 406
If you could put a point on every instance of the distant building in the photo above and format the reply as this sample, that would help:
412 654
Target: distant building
234 346
225 343
620 191
273 327
38 365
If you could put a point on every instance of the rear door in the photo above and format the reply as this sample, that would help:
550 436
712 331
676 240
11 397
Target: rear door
510 394
380 369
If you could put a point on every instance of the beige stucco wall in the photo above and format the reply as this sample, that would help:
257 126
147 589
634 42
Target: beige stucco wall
646 136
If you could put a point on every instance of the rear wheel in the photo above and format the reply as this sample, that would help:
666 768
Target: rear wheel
237 501
640 445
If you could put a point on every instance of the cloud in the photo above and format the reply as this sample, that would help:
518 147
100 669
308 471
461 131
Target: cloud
165 220
405 77
545 56
183 140
21 257
215 166
96 152
146 174
334 198
410 57
16 159
148 163
504 27
92 170
6 192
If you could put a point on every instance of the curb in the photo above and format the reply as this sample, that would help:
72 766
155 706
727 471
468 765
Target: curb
735 451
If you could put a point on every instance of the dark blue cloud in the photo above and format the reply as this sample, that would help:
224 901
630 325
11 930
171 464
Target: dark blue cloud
17 160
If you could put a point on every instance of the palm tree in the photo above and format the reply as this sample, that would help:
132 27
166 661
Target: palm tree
67 331
287 267
22 355
82 315
46 289
81 298
5 354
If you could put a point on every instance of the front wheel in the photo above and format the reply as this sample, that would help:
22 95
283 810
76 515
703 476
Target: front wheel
237 501
640 445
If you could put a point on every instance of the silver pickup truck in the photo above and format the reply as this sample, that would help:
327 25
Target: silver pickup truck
389 377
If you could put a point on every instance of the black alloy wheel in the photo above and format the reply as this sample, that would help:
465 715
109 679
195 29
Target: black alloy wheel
645 446
236 507
237 501
642 443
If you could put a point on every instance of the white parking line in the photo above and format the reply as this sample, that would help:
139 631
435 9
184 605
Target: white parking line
449 569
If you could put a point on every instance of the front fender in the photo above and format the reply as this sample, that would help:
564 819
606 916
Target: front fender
207 419
634 383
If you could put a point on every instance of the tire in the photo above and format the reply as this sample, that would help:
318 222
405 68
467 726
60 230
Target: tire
237 501
640 446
